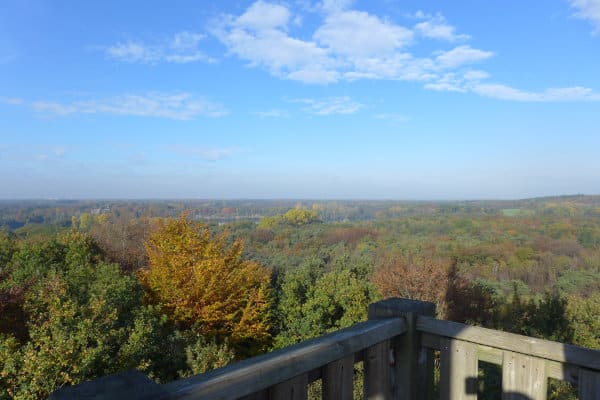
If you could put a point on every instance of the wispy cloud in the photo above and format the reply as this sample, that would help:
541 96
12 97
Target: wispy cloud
436 27
182 48
273 113
182 106
588 10
204 152
462 55
330 106
11 100
504 92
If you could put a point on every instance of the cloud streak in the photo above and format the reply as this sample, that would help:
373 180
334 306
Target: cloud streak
503 92
342 105
180 106
182 48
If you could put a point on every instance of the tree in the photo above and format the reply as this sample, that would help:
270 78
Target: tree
84 319
423 278
203 284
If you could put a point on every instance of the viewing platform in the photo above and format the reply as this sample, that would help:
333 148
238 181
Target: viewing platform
397 347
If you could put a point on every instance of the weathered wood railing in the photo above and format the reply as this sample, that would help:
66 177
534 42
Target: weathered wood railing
527 363
397 347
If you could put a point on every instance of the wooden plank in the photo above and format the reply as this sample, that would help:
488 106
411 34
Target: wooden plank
540 348
258 373
377 372
458 370
589 384
554 369
262 395
292 389
412 364
523 377
338 379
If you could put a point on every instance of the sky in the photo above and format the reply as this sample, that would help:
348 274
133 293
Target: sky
332 99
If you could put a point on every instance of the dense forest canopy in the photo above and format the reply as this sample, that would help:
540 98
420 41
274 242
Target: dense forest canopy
174 288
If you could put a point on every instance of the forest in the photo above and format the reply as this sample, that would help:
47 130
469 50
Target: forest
176 288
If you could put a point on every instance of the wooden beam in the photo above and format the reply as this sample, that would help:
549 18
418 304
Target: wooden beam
589 385
338 379
412 371
523 377
377 372
458 370
292 389
563 353
258 373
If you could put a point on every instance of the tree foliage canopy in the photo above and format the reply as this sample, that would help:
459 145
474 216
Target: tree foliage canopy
203 283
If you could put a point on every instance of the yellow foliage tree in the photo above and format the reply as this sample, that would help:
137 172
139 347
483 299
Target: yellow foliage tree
204 284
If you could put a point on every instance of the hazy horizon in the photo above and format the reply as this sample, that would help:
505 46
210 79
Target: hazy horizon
333 99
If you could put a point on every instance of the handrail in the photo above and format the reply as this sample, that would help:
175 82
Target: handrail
258 373
554 351
397 348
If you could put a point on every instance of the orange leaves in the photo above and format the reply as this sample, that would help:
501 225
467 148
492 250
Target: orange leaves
202 283
421 279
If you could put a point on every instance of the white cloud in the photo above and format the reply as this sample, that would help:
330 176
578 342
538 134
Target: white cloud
261 16
334 6
461 55
476 75
330 106
181 48
437 28
588 10
351 45
11 100
274 113
182 106
503 92
348 45
358 34
261 39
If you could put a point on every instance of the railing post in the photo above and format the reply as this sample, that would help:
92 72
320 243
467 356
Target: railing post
412 370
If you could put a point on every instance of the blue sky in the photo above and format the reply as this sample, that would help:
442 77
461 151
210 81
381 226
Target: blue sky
299 99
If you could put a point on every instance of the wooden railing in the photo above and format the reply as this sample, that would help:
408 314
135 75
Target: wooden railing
396 347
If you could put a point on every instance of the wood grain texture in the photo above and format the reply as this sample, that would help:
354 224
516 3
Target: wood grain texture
338 379
589 384
258 373
554 351
377 372
292 389
458 370
523 377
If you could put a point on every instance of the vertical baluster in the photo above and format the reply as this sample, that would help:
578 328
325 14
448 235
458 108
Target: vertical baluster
262 395
293 389
377 372
338 378
589 384
523 376
458 370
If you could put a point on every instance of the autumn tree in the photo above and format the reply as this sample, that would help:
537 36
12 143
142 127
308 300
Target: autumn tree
203 284
420 278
